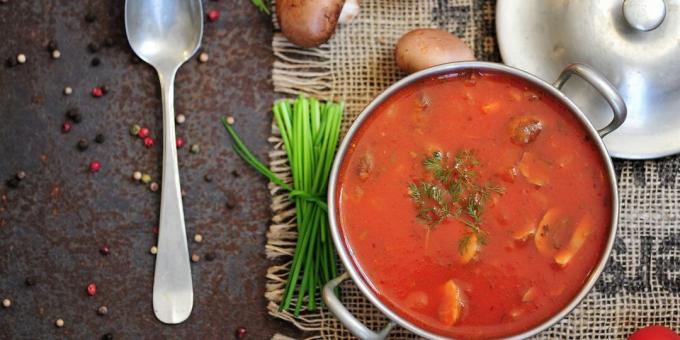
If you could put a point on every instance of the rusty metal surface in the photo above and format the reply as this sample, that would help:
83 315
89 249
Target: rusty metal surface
53 224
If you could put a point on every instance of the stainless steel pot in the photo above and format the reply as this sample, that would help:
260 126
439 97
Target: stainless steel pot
599 83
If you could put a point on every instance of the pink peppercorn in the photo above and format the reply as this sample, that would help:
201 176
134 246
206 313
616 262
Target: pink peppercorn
213 15
95 166
92 289
97 92
143 133
148 142
179 142
104 250
66 127
240 333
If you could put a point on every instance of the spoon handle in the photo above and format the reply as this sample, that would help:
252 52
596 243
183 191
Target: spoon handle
173 296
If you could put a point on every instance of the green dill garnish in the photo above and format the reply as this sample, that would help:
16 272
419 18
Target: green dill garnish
449 190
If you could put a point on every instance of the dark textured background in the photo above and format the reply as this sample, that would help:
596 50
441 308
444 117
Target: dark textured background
52 226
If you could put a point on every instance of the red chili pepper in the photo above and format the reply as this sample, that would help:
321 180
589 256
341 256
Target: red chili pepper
66 127
179 142
92 289
95 166
148 142
143 133
97 92
213 15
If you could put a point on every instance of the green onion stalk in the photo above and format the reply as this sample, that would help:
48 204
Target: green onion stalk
310 130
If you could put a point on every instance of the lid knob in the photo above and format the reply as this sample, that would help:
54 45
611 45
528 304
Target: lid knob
644 15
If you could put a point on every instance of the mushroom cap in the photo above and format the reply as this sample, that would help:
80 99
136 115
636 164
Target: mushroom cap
426 47
308 23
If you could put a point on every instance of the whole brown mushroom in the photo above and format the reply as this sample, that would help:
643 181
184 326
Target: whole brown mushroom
426 47
310 23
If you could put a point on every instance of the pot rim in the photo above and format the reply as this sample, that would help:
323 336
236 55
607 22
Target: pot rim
344 251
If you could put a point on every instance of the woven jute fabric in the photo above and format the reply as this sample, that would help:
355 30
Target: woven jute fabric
641 284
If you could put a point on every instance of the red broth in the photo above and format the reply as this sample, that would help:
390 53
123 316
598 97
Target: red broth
542 223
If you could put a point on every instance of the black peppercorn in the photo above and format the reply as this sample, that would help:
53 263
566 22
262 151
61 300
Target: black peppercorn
12 183
74 115
82 144
93 47
235 174
207 178
11 62
104 89
210 256
29 281
90 17
52 46
107 336
95 62
109 42
99 138
20 175
230 205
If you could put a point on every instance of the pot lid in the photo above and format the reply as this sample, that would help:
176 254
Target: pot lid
635 44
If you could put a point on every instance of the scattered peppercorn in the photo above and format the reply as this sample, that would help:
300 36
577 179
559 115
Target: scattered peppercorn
105 89
203 57
20 175
235 173
153 186
74 115
103 310
95 62
198 238
12 183
82 144
213 15
241 332
90 17
146 178
135 129
207 178
97 92
52 46
137 176
11 62
95 166
7 303
230 120
66 127
153 250
210 256
195 148
29 281
93 47
68 90
56 54
104 250
179 142
59 323
143 133
180 119
195 258
92 289
99 138
21 58
230 205
148 142
109 42
107 336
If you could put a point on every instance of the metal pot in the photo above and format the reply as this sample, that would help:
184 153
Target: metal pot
599 83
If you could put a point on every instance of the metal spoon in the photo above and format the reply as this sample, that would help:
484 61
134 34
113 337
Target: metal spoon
165 34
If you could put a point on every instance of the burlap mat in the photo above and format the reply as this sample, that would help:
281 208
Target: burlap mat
641 285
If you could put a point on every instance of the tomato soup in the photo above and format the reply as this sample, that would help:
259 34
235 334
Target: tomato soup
474 204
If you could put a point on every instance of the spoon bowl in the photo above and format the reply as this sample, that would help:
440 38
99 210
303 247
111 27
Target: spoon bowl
165 34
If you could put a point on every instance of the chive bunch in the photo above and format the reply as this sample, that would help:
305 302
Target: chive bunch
310 130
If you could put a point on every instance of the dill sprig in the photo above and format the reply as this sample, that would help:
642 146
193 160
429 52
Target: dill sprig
261 5
450 191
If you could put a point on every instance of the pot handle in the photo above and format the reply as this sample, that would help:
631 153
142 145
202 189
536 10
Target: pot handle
346 318
603 86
